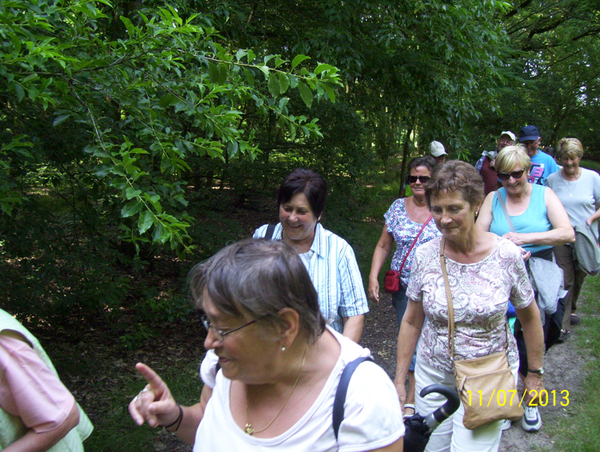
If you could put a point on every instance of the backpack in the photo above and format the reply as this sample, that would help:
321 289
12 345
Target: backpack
342 390
586 249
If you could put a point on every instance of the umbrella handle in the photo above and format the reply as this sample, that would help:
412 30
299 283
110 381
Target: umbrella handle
448 408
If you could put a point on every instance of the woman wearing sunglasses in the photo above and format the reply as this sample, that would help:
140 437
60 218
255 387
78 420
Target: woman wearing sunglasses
408 223
273 365
538 217
539 222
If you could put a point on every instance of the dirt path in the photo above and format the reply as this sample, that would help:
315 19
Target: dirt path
563 373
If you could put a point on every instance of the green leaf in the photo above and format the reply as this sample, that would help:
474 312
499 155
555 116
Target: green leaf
145 221
131 208
222 74
167 100
102 171
323 67
249 77
132 193
240 54
273 85
298 59
293 129
213 72
19 92
60 119
330 92
284 82
129 26
265 70
306 94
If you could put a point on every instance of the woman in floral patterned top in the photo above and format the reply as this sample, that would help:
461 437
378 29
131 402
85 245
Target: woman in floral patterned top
403 222
485 271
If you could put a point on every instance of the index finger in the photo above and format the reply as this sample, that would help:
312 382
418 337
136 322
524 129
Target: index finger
156 383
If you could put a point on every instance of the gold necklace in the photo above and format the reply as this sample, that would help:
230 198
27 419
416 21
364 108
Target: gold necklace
248 429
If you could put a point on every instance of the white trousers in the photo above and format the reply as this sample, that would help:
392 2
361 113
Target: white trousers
452 435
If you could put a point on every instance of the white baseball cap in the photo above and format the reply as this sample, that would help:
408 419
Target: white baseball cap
508 133
437 149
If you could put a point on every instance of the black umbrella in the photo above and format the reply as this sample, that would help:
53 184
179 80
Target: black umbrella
419 428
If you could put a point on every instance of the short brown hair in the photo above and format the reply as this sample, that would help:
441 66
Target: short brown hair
455 175
305 181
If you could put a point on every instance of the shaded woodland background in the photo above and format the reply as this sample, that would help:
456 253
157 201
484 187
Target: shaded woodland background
130 130
139 137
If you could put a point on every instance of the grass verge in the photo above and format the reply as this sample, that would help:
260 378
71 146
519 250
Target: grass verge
581 433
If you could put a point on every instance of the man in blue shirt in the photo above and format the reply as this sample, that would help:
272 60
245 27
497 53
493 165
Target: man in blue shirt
542 165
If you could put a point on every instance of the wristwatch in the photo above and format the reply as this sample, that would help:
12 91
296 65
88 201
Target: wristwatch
538 371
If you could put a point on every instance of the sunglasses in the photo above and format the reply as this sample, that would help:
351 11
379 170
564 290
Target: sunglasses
423 179
514 175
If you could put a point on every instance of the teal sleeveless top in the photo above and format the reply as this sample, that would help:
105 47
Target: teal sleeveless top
534 219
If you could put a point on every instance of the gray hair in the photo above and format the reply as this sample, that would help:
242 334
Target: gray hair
259 278
571 147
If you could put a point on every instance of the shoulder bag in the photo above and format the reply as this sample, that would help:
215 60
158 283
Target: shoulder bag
486 385
391 282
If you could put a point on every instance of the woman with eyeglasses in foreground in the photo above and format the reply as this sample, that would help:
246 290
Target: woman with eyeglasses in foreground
540 222
408 223
484 272
279 365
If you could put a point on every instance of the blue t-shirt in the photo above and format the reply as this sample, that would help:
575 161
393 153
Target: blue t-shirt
534 219
542 165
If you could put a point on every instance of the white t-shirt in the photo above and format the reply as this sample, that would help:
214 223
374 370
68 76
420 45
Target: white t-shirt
372 417
580 198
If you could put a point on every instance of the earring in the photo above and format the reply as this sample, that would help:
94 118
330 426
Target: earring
283 349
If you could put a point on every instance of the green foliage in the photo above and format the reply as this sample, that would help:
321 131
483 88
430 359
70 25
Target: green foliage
107 114
145 104
126 126
590 164
551 74
577 432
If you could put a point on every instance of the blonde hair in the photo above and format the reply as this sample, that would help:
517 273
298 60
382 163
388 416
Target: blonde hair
512 157
570 147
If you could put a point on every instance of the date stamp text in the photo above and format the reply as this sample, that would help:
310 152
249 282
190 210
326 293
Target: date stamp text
502 398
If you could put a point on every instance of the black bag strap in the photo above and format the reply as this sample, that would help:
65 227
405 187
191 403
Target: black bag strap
342 390
269 233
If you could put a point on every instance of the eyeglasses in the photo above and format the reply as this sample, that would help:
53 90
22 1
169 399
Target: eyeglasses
423 179
514 175
220 334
